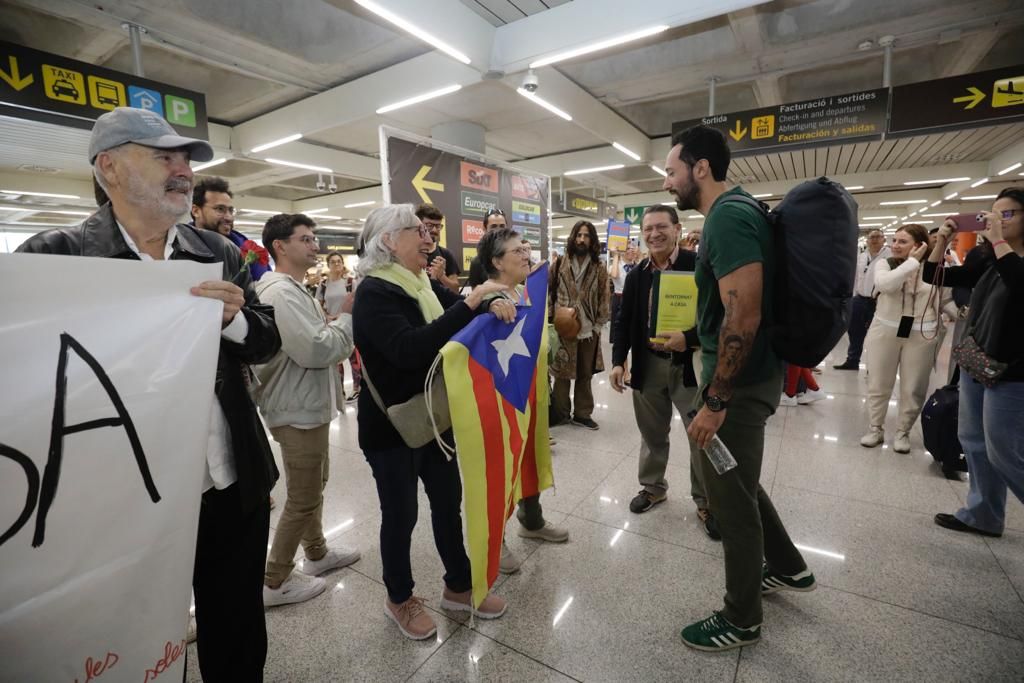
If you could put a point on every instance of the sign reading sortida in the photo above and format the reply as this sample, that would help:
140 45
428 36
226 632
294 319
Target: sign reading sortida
822 121
987 97
40 86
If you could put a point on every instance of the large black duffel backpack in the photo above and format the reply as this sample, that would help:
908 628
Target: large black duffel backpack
939 425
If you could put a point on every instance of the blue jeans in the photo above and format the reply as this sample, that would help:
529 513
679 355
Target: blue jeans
993 440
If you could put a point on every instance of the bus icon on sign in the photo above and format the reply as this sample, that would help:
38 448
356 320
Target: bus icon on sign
104 94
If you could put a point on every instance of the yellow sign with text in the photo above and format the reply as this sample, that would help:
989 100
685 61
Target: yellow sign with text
63 85
468 253
106 94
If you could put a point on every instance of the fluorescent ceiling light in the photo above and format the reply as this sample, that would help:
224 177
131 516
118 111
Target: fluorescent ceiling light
903 202
65 213
358 204
295 164
41 194
761 196
274 143
694 217
979 183
544 103
936 181
596 169
416 99
924 222
594 47
877 218
978 197
627 151
854 187
267 213
248 223
950 196
936 202
330 218
313 211
409 27
659 171
936 215
870 225
208 164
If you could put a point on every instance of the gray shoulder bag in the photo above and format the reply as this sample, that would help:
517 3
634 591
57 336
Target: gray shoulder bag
425 416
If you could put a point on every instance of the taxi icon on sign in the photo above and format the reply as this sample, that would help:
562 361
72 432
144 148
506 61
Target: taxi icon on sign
62 87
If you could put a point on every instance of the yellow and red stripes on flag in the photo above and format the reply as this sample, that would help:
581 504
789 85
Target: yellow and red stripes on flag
503 454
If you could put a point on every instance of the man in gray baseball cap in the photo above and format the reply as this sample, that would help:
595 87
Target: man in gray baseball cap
143 166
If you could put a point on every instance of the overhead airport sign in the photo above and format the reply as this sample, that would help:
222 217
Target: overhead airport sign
987 97
576 204
823 121
464 188
40 86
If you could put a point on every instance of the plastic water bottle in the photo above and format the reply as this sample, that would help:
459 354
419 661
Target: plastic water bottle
716 450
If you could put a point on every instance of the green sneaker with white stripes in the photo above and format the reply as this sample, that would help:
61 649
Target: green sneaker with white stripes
773 582
715 633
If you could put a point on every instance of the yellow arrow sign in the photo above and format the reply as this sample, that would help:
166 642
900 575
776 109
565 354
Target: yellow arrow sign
739 132
421 184
974 99
14 78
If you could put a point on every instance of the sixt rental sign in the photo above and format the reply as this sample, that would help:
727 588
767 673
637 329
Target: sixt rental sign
40 86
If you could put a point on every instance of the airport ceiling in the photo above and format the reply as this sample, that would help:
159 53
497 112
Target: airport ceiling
322 68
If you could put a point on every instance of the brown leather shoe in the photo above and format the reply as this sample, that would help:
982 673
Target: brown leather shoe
413 621
491 608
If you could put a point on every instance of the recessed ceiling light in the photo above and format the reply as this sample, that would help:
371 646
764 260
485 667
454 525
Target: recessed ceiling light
295 164
595 169
544 103
761 196
979 197
936 181
950 196
416 99
876 218
409 27
275 143
315 211
358 204
600 45
854 187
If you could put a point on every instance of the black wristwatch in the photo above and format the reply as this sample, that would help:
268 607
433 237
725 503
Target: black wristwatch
715 404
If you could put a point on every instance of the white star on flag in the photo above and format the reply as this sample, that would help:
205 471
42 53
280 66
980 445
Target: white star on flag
512 345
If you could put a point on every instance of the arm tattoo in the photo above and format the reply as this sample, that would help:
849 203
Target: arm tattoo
735 342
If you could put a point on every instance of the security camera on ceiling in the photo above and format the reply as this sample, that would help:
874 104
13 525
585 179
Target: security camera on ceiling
530 81
320 184
332 186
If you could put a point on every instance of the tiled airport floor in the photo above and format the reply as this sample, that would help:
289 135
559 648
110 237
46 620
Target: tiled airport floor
899 598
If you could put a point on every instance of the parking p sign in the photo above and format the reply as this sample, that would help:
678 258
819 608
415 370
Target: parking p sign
180 111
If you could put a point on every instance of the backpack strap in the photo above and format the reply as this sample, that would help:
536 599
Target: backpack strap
749 201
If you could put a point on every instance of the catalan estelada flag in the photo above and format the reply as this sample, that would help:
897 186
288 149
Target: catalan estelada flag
496 376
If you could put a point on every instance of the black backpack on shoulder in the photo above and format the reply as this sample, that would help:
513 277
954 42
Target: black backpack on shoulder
816 233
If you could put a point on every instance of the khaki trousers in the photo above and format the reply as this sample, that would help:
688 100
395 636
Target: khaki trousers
913 358
582 405
306 468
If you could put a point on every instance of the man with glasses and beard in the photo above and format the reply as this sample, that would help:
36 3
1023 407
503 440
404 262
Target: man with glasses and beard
580 282
213 209
739 388
142 164
447 269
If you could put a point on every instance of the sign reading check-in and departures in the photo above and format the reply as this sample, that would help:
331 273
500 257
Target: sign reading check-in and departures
987 97
978 99
859 115
464 188
40 86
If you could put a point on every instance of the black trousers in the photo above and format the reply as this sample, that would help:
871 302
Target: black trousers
862 313
616 306
397 472
231 556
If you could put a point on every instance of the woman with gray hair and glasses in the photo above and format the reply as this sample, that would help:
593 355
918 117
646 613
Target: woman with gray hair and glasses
401 319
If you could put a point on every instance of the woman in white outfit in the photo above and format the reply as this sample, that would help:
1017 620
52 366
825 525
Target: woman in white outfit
903 337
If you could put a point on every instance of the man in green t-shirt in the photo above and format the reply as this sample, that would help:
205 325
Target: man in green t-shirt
739 388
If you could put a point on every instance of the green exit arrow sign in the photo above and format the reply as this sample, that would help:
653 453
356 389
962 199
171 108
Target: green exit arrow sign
634 213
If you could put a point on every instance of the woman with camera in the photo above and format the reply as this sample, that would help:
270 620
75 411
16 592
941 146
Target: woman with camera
401 319
991 359
903 337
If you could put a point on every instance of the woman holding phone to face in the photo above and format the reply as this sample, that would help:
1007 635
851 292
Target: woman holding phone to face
903 338
991 419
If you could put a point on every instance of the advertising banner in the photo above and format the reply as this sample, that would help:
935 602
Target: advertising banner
108 372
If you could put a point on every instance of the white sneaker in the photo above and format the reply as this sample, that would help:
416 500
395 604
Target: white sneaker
549 532
298 587
787 401
509 563
337 557
810 397
901 444
873 438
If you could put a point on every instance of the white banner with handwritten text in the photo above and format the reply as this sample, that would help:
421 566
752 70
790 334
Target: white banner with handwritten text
107 369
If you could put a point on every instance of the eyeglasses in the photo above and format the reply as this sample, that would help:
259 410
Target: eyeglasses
494 212
431 225
660 227
223 210
307 240
424 233
518 251
1007 214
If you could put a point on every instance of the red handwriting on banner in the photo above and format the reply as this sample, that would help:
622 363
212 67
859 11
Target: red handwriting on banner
95 669
171 655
